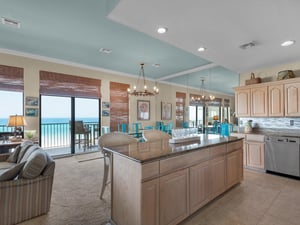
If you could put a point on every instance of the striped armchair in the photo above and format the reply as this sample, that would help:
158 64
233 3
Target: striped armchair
28 195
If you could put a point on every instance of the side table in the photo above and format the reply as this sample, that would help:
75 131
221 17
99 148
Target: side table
7 146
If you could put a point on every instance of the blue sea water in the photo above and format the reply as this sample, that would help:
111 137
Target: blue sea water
3 122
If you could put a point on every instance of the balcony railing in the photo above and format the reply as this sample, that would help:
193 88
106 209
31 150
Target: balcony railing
58 135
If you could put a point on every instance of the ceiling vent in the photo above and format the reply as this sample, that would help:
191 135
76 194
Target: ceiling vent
105 50
10 22
248 45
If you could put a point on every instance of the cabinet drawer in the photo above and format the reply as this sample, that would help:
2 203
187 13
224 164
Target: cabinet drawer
150 170
233 146
217 150
238 135
255 137
183 161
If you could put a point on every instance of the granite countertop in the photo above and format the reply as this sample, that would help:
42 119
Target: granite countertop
150 151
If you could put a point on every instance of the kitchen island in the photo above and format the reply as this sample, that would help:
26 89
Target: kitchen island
158 183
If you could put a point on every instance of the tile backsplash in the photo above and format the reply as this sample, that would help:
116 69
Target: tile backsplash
274 122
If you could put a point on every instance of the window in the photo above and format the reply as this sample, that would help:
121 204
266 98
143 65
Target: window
11 94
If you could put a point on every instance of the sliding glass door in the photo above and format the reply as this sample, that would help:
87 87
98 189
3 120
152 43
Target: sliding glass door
55 132
86 124
69 125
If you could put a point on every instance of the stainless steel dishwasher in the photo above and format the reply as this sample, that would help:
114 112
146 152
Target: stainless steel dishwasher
282 155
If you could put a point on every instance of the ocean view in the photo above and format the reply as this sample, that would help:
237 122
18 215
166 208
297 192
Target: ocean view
55 132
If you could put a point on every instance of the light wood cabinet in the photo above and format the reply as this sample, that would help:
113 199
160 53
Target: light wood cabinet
259 101
255 154
233 168
168 190
218 176
174 197
292 99
276 100
199 186
251 101
242 102
150 202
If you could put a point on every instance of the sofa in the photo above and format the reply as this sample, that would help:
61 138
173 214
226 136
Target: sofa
26 178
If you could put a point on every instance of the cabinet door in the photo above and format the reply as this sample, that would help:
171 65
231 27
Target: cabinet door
242 102
292 99
255 154
276 101
174 197
259 101
150 202
232 169
199 186
218 176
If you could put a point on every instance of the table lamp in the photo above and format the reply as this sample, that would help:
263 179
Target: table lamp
17 122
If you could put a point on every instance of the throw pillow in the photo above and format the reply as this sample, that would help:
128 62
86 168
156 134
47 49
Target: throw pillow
14 155
34 165
24 147
11 173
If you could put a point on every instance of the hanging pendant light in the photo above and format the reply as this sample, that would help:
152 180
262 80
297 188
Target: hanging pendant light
140 89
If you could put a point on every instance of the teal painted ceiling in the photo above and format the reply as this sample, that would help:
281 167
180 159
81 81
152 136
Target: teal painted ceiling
75 30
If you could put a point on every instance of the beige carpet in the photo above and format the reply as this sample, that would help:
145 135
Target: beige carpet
75 197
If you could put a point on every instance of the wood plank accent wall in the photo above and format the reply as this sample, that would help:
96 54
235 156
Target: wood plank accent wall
60 84
11 78
119 105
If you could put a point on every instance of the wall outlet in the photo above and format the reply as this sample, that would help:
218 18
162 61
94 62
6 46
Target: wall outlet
291 122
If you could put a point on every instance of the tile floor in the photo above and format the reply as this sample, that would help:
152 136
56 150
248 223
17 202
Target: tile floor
261 199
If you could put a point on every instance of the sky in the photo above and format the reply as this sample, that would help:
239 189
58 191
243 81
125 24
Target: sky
52 107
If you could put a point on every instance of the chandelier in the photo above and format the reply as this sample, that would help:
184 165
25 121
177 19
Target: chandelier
140 89
202 97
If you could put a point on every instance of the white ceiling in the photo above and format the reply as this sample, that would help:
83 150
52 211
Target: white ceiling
220 26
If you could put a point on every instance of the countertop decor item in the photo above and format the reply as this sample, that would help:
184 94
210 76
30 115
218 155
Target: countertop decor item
248 126
253 80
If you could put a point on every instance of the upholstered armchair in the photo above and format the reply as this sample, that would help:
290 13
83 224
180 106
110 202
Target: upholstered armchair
26 180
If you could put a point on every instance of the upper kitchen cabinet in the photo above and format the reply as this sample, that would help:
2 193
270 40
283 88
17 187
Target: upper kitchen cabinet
259 101
242 102
251 101
292 99
276 100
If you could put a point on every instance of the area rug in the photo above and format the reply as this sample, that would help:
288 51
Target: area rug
76 190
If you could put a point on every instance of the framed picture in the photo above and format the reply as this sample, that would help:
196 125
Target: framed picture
105 105
143 110
166 111
105 112
31 112
32 101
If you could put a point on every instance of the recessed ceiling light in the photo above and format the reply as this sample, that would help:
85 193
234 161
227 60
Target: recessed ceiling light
105 50
10 22
288 43
201 49
162 30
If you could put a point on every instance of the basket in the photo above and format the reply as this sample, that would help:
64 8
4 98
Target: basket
253 80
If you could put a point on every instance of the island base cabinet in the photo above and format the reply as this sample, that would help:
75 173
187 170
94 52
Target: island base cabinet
233 170
218 176
199 186
150 202
174 197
